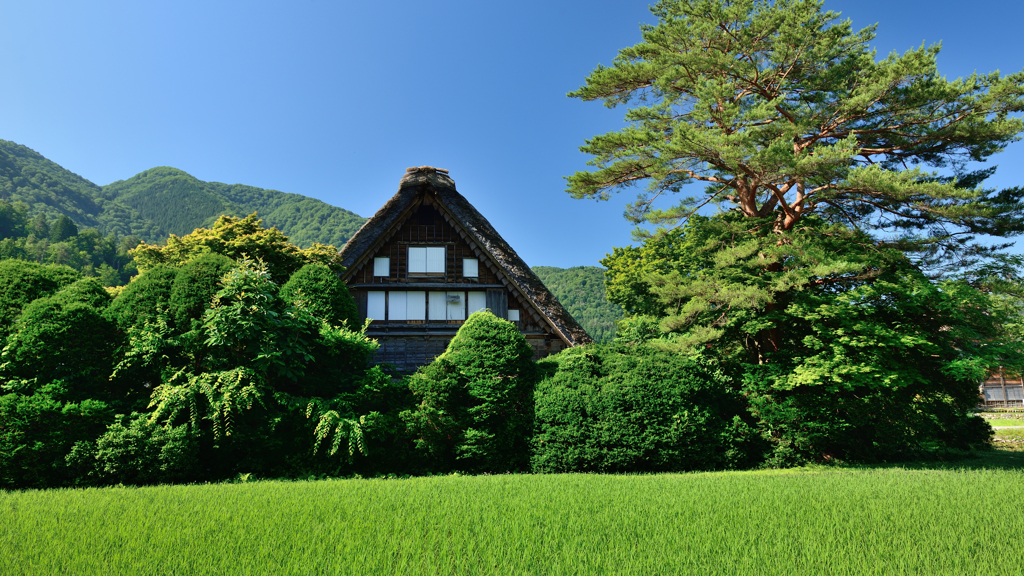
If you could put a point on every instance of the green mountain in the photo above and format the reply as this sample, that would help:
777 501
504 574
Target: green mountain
581 290
163 201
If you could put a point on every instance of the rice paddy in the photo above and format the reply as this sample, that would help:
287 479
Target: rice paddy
809 521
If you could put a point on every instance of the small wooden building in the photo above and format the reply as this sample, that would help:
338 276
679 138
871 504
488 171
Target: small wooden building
427 260
1002 391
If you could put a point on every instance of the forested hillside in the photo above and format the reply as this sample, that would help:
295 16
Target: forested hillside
581 290
161 201
179 203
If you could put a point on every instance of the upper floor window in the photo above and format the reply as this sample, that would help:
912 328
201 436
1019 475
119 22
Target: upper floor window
382 266
426 260
470 268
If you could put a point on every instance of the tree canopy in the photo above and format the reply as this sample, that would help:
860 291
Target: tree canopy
237 238
784 112
817 153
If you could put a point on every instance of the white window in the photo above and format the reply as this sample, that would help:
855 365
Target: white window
470 268
382 266
397 306
477 301
417 260
513 315
416 305
375 305
456 306
994 394
435 259
426 260
438 306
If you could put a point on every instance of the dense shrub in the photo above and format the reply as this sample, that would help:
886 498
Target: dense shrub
883 372
323 294
38 431
22 282
135 451
88 291
60 339
194 288
475 402
144 299
610 408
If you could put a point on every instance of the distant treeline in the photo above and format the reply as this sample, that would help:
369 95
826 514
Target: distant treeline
59 241
581 290
161 201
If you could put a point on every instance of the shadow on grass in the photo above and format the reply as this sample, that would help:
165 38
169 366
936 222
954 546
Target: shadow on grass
1000 456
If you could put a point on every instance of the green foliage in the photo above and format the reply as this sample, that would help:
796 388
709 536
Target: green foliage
62 229
38 431
59 339
136 451
475 408
784 112
195 286
177 203
22 282
237 238
88 291
323 294
87 250
13 219
581 290
884 371
632 409
157 202
144 298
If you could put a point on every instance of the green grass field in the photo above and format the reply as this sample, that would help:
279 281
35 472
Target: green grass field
965 518
1005 422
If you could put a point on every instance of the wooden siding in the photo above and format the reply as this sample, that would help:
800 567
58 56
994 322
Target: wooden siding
408 345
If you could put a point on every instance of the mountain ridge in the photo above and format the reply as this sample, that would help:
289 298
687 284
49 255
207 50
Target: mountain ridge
163 200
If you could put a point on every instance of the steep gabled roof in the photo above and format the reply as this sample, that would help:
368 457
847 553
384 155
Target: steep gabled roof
476 230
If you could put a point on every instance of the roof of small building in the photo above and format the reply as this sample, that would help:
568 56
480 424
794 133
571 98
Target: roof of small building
436 182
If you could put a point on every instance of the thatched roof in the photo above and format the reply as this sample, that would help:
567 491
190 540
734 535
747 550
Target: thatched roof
436 182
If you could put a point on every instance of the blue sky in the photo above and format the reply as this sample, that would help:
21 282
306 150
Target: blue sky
335 99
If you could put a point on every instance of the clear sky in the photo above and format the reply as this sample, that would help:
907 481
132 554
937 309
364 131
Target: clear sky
334 99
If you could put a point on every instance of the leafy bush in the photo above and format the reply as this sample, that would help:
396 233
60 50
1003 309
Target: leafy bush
323 294
38 431
22 282
883 372
136 451
144 298
88 291
608 408
475 408
194 287
59 339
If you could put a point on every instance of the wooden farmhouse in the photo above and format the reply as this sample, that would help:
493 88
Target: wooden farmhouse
427 260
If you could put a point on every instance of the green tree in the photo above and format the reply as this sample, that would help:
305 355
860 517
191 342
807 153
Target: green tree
144 299
60 338
786 116
194 288
475 408
63 229
22 282
236 238
12 219
613 408
323 294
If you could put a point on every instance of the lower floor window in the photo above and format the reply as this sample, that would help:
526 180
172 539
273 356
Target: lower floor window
415 306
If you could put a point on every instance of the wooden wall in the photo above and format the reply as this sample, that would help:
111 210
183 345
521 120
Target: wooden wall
408 345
